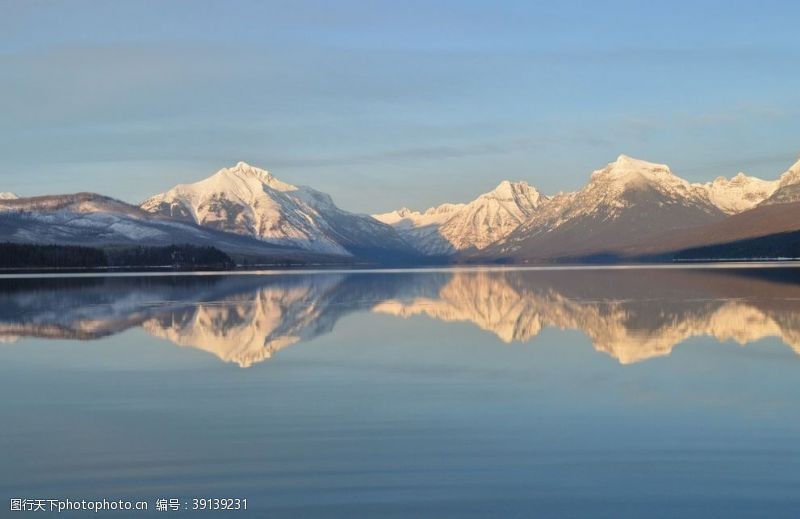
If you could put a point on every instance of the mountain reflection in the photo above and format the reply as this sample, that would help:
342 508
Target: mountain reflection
632 315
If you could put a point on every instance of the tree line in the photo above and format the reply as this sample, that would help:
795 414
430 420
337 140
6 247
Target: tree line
36 256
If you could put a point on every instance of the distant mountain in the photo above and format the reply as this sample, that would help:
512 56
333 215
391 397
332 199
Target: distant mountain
451 228
739 193
623 203
629 210
94 220
788 189
766 230
249 201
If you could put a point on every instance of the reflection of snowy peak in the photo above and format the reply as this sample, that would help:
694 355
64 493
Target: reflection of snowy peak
450 228
517 306
631 315
249 328
250 201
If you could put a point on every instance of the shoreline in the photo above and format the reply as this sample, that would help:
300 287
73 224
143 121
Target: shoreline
323 269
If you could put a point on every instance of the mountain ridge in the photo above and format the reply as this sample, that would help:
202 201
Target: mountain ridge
628 208
95 220
627 200
250 201
451 228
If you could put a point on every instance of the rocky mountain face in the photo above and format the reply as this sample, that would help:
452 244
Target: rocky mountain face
452 228
249 201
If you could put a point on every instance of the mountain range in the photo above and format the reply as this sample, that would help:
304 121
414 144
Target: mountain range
629 210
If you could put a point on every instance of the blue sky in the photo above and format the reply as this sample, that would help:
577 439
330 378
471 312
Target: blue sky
385 104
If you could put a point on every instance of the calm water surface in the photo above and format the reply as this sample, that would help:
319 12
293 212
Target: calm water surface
490 393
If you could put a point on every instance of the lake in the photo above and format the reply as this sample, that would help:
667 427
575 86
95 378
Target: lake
621 392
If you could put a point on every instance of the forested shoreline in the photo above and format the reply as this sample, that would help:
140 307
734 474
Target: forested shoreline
24 256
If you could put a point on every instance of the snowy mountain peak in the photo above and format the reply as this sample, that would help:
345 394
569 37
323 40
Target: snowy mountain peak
626 175
627 159
739 193
507 190
456 227
788 187
791 176
245 170
739 178
8 196
244 167
250 201
626 167
444 209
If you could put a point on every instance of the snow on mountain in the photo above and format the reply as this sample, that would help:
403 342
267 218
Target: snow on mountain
81 219
623 205
250 201
739 193
627 200
80 203
450 228
405 218
96 220
421 230
620 185
788 189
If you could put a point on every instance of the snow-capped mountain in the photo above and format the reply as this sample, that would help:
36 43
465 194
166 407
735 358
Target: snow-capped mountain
450 228
96 220
630 208
767 229
421 229
626 201
788 188
739 193
250 201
